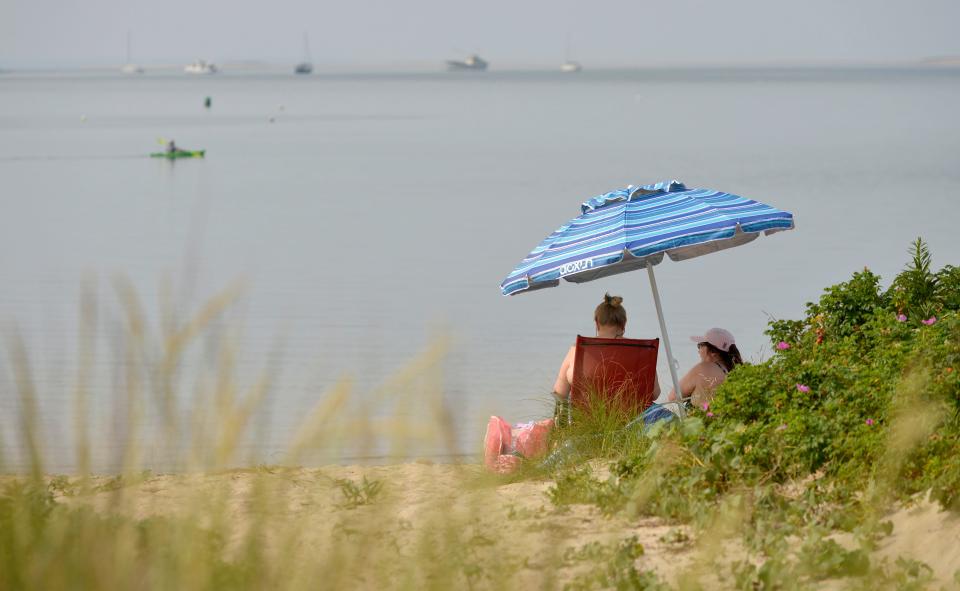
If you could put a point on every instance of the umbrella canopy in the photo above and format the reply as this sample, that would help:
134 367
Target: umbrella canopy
630 228
633 228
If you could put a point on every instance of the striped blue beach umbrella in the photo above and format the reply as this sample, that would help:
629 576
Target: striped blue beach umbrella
633 228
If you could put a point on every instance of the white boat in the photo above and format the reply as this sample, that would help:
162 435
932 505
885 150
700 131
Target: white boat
568 64
200 67
129 67
306 66
472 63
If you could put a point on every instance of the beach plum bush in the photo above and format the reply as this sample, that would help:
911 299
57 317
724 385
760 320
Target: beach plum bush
948 284
844 308
853 366
864 391
858 406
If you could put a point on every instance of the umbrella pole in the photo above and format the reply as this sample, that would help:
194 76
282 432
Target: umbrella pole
663 332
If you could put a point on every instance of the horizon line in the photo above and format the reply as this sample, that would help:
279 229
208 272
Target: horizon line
430 66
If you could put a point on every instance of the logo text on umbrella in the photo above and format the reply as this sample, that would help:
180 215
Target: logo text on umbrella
576 266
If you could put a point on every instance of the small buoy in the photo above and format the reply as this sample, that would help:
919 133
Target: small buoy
271 119
207 102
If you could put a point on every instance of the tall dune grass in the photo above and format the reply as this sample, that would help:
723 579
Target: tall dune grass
235 524
220 519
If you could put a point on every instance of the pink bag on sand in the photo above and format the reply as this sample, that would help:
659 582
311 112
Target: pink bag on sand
497 439
504 447
531 440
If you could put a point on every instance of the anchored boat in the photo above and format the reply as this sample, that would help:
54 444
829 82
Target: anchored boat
306 66
200 67
472 63
568 64
129 67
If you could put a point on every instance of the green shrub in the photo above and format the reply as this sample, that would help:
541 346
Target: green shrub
948 285
858 405
845 307
915 291
617 571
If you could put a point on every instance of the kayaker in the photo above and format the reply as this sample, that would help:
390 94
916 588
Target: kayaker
171 147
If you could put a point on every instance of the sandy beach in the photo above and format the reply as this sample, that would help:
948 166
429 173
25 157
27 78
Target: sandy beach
494 533
507 528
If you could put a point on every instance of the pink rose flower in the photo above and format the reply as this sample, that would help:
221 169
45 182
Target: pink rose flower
783 345
706 406
929 321
901 317
869 422
803 388
710 415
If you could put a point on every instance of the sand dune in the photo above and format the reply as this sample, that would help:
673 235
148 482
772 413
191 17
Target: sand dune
506 526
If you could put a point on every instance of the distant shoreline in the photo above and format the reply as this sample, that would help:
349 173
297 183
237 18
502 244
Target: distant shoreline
947 63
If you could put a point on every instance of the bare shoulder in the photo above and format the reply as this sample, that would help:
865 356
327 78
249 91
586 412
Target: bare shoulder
700 366
706 369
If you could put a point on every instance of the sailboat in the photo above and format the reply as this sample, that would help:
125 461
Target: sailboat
129 67
569 65
306 66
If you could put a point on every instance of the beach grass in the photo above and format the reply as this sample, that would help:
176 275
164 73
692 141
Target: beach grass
849 482
209 522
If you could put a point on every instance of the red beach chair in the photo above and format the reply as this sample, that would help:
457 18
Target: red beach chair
620 371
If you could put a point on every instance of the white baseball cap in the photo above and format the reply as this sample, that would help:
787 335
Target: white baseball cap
718 337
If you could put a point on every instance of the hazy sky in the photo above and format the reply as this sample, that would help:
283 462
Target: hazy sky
509 33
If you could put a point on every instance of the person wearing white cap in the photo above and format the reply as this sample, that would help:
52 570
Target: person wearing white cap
718 356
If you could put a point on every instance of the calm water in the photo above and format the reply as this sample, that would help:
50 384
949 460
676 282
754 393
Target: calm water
366 214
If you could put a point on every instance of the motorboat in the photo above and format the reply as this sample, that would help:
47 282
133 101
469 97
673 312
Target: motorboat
473 63
200 67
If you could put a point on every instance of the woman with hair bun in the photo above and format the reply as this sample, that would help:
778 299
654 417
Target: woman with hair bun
610 320
505 445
